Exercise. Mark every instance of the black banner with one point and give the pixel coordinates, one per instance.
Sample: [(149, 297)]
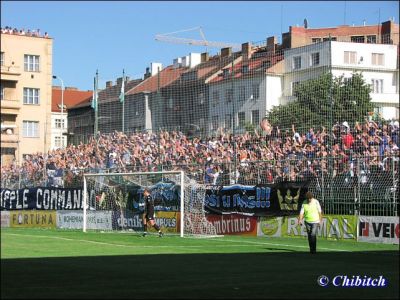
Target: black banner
[(284, 198), (41, 198)]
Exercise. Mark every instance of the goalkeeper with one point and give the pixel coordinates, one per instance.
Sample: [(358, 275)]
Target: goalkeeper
[(148, 215)]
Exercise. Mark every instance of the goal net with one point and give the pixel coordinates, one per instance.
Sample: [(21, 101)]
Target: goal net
[(116, 199)]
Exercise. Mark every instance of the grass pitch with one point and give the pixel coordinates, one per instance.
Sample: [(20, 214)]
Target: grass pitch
[(44, 263)]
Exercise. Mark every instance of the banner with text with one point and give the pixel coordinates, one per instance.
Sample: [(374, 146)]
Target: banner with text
[(67, 219), (234, 224), (168, 221), (378, 229), (42, 198), (332, 227), (283, 198), (33, 218)]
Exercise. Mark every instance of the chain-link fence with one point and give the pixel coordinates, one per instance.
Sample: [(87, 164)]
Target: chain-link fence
[(344, 186), (323, 108)]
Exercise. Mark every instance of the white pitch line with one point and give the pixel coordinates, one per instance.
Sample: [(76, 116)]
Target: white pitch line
[(283, 245), (182, 246), (119, 245)]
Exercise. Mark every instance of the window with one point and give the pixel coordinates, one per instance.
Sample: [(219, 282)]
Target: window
[(378, 59), (325, 39), (214, 123), (377, 86), (316, 40), (228, 121), (357, 39), (170, 103), (255, 117), (350, 57), (294, 86), (59, 123), (256, 91), (314, 59), (31, 63), (201, 122), (296, 62), (228, 95), (266, 64), (245, 69), (30, 129), (2, 93), (371, 39), (2, 58), (395, 82), (241, 118), (57, 141), (226, 73), (31, 96), (216, 97), (201, 98), (242, 93)]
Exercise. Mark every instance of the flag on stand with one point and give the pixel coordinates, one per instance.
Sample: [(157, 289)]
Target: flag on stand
[(122, 94), (95, 95)]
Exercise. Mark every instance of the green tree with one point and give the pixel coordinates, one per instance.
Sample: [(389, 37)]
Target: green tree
[(313, 107)]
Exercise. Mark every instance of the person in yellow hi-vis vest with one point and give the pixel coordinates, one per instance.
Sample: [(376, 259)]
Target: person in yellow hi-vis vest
[(311, 212)]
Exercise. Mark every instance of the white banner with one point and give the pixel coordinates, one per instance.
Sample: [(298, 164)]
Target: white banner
[(5, 219), (74, 219), (269, 226), (378, 229)]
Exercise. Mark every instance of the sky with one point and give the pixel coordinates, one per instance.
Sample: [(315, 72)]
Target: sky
[(110, 36)]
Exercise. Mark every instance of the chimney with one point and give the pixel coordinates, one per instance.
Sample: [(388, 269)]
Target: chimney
[(226, 52), (108, 84), (155, 68), (126, 78), (246, 51), (271, 43), (204, 57), (70, 88), (119, 80), (147, 74)]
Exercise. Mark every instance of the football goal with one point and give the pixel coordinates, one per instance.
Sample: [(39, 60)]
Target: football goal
[(114, 201)]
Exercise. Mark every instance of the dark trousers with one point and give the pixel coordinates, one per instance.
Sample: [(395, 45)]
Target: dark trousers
[(312, 236)]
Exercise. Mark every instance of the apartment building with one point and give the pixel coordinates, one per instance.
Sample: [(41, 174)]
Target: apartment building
[(385, 33), (68, 98), (242, 92), (26, 80), (378, 63)]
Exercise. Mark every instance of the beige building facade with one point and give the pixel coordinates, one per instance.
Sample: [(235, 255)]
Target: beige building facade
[(26, 93)]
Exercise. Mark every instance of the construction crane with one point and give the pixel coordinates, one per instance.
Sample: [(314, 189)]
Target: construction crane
[(167, 37)]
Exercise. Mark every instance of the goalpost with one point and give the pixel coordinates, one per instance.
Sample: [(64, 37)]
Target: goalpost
[(118, 198)]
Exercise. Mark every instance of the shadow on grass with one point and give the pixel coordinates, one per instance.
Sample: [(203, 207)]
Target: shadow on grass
[(198, 276)]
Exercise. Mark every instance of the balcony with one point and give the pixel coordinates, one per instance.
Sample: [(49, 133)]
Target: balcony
[(9, 135), (10, 106), (10, 73)]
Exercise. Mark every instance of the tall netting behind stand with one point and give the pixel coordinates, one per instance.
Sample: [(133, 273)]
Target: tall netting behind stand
[(114, 201)]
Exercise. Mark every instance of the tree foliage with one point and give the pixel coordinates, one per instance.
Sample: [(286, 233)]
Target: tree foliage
[(313, 106)]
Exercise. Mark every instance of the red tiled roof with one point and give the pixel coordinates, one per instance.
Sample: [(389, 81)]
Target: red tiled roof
[(71, 98), (254, 64), (164, 78)]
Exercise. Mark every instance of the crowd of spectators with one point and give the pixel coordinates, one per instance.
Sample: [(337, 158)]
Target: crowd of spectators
[(16, 31), (262, 157)]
